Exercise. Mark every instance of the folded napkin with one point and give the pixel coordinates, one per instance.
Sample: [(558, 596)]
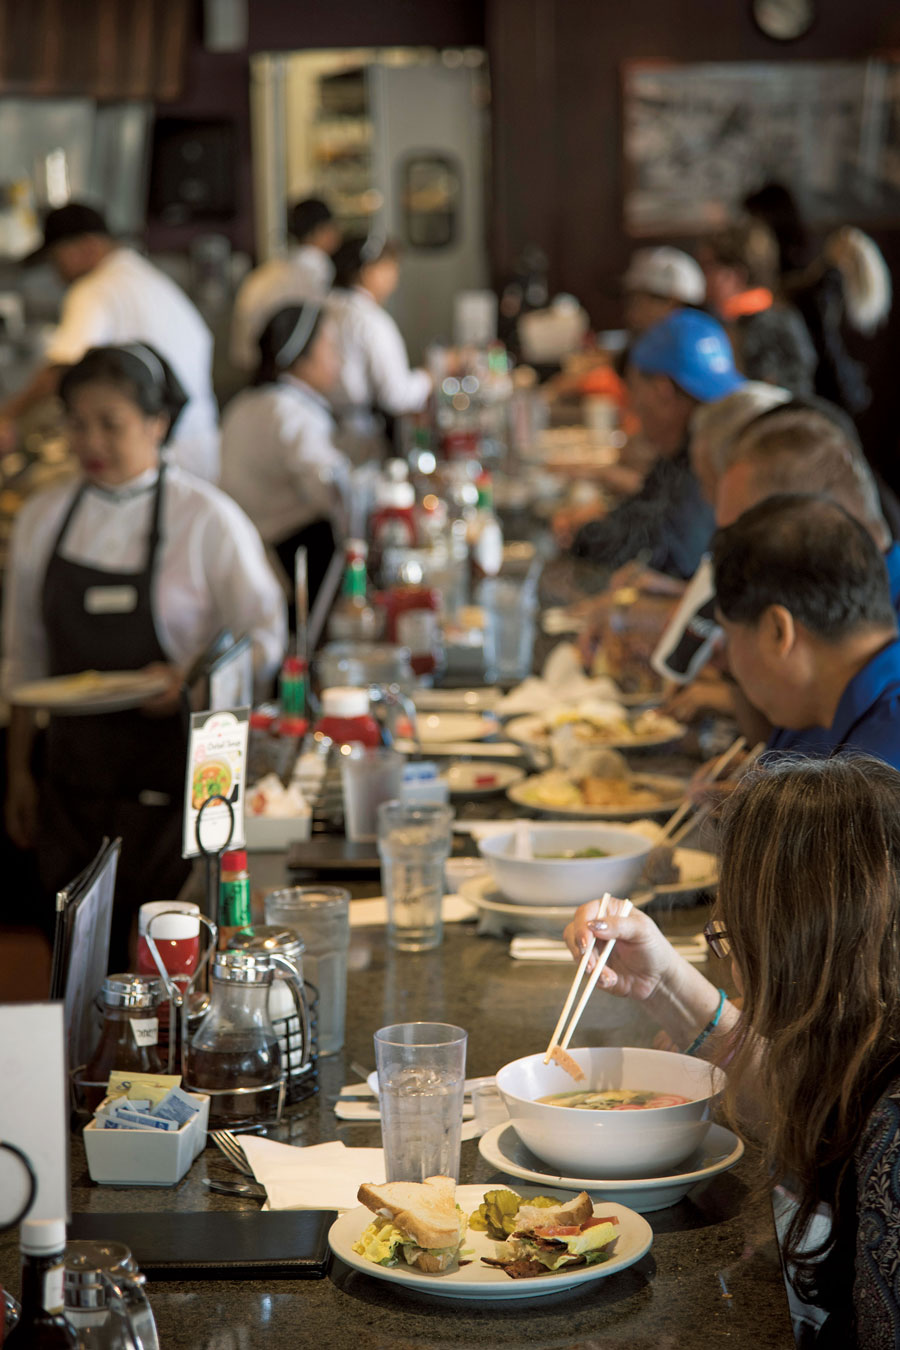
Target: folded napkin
[(322, 1176), (367, 913), (562, 681), (366, 1110), (537, 948)]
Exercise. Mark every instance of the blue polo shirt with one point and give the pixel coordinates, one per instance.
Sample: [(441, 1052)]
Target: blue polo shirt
[(867, 717), (892, 563)]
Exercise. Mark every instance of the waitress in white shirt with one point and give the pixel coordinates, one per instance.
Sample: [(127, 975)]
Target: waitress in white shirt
[(134, 565), (279, 460), (375, 374)]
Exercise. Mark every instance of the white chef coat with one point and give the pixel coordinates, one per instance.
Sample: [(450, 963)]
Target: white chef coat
[(375, 370), (279, 460), (211, 572), (126, 299), (305, 274)]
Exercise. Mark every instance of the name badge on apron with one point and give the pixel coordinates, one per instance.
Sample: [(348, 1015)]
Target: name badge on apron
[(110, 599)]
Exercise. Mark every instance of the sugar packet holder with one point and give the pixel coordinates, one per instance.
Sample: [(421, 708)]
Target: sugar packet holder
[(129, 1153)]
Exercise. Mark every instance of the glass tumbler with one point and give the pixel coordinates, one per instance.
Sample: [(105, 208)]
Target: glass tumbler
[(321, 916)]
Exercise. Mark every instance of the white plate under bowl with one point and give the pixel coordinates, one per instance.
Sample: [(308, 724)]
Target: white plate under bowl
[(94, 691), (633, 1240), (532, 731), (482, 892), (502, 1148), (674, 787), (435, 728), (473, 779)]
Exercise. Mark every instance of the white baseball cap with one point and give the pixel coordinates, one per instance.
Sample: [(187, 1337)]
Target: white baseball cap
[(668, 273)]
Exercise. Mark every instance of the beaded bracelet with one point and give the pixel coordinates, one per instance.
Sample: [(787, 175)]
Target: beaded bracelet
[(710, 1026)]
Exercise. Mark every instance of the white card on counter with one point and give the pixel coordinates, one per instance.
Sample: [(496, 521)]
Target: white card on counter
[(33, 1108), (216, 767)]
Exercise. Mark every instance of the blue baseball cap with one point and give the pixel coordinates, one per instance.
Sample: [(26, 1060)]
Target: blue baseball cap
[(693, 349)]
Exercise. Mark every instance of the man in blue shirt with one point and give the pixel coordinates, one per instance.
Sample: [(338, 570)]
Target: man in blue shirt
[(804, 600)]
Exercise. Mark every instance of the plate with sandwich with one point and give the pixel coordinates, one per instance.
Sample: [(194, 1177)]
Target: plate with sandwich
[(437, 1238)]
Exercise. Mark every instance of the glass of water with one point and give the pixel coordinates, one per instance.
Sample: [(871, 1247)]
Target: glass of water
[(421, 1085), (509, 629), (321, 915), (414, 843)]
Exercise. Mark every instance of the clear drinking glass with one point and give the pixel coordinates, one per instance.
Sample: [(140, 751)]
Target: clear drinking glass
[(509, 619), (414, 843), (421, 1085), (368, 778), (321, 916)]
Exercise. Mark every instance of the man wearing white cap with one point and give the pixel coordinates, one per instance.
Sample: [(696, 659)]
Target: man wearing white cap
[(659, 280)]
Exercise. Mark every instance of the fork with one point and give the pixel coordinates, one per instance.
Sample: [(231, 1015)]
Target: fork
[(226, 1142)]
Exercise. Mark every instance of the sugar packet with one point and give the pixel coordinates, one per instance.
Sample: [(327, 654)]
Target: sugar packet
[(177, 1105)]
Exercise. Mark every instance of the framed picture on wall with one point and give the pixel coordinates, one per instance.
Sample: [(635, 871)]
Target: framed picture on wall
[(698, 137)]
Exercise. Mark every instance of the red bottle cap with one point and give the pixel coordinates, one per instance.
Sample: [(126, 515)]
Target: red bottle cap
[(293, 665), (235, 860), (293, 726)]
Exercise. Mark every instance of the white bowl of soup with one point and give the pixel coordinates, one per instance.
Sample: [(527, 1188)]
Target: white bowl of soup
[(649, 1110), (568, 864)]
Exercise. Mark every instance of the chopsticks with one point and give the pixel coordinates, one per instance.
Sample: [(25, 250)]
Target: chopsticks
[(695, 821), (715, 771), (559, 1041)]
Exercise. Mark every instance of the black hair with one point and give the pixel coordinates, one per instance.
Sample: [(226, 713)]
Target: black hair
[(355, 254), (774, 346), (289, 334), (804, 552), (306, 216), (138, 371), (776, 205)]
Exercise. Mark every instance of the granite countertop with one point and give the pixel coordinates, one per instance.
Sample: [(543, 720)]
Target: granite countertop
[(712, 1276)]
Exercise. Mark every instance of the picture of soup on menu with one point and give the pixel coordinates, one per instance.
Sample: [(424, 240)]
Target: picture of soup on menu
[(217, 757)]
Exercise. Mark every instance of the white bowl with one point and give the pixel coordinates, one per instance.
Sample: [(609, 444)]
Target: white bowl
[(565, 881), (611, 1144)]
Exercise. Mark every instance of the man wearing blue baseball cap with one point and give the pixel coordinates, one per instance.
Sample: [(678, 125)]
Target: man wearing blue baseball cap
[(683, 361)]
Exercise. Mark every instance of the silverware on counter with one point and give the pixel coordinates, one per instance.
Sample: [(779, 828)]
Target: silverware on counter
[(248, 1188), (225, 1140)]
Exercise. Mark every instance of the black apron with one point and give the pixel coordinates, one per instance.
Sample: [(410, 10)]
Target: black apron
[(117, 773)]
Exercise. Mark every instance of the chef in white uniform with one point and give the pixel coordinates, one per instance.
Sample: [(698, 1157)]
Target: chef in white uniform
[(279, 459), (134, 565), (306, 273), (375, 374), (116, 296)]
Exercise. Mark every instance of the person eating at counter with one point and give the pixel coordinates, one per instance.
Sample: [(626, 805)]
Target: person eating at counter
[(680, 363), (116, 296), (279, 460), (803, 598), (135, 565), (808, 909), (375, 374)]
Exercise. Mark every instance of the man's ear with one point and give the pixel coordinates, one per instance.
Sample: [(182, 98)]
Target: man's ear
[(778, 631)]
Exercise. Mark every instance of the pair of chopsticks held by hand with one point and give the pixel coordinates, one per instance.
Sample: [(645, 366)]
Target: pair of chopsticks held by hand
[(557, 1048), (677, 827)]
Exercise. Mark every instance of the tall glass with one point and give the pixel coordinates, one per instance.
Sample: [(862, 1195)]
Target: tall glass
[(369, 777), (509, 626), (421, 1085), (414, 843), (321, 916)]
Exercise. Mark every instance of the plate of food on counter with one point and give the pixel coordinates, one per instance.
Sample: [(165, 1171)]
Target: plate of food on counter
[(595, 723), (603, 789), (440, 1239), (481, 778)]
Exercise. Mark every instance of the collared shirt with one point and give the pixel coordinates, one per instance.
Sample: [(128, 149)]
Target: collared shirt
[(126, 299), (305, 274), (867, 716), (279, 460), (375, 369), (892, 563), (211, 572), (669, 519)]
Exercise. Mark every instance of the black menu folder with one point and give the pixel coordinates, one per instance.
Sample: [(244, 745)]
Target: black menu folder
[(290, 1244)]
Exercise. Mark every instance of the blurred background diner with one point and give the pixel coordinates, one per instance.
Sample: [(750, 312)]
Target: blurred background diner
[(369, 446)]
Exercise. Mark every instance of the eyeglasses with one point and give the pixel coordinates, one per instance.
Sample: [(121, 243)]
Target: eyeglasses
[(717, 940)]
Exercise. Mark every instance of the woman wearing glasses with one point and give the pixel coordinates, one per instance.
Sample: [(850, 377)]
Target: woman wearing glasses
[(809, 913)]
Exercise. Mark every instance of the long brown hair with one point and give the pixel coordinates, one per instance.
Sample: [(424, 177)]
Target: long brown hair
[(810, 898)]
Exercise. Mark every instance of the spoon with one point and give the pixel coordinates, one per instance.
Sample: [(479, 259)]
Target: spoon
[(250, 1188)]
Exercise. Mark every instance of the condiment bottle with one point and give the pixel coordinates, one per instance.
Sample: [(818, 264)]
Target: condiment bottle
[(130, 1035), (234, 1054), (346, 718), (234, 894), (353, 619), (105, 1301), (42, 1326), (292, 687), (413, 620), (174, 927), (287, 1010)]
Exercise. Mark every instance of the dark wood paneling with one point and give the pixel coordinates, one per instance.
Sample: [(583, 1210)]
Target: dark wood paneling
[(293, 25)]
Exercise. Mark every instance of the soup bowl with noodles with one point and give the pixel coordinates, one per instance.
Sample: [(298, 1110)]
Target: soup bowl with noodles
[(617, 1137)]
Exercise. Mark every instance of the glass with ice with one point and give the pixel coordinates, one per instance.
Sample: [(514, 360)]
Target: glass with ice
[(321, 917), (421, 1084), (413, 842)]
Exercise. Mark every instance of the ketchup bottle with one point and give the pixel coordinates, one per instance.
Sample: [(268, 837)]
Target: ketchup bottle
[(346, 718)]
